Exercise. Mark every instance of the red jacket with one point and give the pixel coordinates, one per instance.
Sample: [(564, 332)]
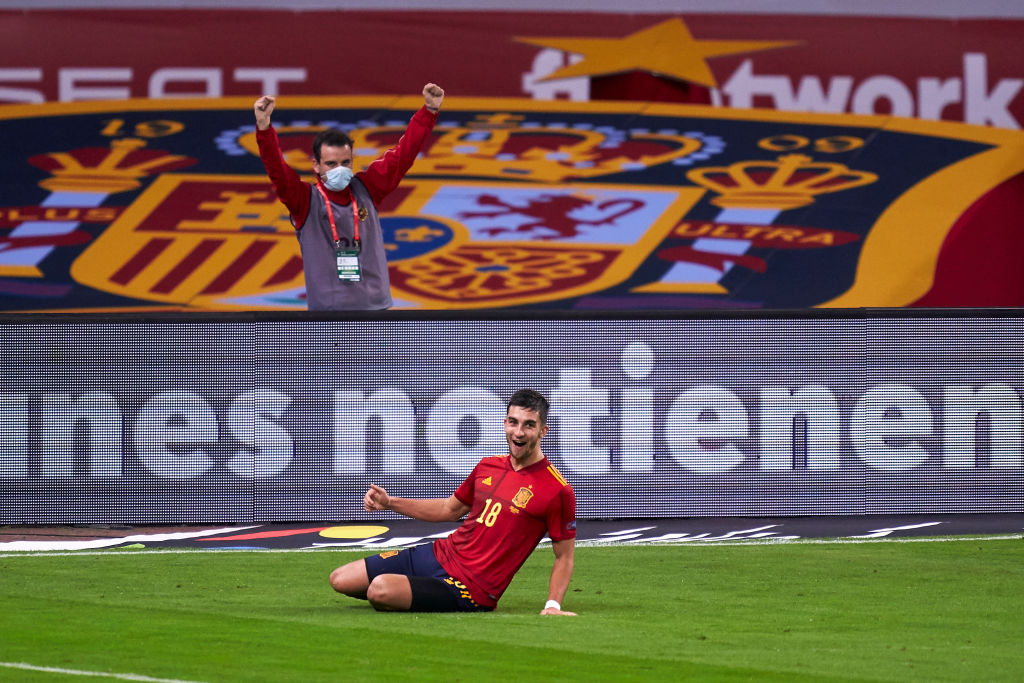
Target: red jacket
[(380, 178)]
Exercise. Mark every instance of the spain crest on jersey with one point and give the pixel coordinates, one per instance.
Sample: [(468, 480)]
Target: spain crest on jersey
[(522, 497)]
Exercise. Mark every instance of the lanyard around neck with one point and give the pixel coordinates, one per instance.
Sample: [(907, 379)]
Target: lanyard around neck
[(330, 214)]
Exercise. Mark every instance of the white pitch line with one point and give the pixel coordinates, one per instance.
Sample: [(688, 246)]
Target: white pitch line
[(109, 542), (805, 541), (587, 543), (101, 674), (116, 552)]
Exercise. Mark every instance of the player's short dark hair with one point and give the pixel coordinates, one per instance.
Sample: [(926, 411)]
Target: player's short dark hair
[(531, 400), (332, 137)]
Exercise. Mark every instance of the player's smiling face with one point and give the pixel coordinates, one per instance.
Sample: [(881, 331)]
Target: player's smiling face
[(523, 431)]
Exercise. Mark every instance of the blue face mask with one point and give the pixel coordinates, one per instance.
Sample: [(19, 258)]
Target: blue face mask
[(338, 178)]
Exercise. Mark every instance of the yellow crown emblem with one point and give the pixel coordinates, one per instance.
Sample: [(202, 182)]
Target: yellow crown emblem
[(116, 171), (791, 182)]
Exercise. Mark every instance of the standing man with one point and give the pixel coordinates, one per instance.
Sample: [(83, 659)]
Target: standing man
[(336, 219), (512, 501)]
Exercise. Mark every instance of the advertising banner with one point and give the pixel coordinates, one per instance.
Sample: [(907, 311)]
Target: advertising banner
[(151, 205), (956, 69), (284, 418)]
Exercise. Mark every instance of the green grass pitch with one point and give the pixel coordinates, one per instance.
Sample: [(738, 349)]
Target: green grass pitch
[(882, 611)]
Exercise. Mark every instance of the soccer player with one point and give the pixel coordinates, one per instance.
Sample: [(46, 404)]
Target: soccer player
[(512, 501)]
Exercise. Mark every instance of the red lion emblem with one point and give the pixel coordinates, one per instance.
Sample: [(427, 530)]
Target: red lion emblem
[(550, 211)]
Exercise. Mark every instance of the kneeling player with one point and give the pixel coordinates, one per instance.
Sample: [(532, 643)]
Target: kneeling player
[(512, 501)]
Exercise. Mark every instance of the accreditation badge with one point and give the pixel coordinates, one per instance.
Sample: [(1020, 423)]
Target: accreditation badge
[(348, 265)]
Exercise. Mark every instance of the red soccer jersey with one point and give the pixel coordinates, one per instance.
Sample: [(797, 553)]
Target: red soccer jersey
[(509, 513)]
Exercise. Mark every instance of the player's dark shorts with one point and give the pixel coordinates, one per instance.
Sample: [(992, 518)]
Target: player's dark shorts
[(433, 590)]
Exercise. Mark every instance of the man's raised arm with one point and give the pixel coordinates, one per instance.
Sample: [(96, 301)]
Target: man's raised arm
[(385, 173), (290, 188)]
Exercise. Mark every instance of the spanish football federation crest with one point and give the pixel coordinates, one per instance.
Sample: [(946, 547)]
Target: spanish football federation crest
[(522, 497), (165, 206)]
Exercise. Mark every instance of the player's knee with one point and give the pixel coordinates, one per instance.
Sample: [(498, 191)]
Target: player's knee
[(378, 591), (349, 580), (385, 593), (338, 580)]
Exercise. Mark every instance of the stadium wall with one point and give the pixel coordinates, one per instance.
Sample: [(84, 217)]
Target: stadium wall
[(277, 417)]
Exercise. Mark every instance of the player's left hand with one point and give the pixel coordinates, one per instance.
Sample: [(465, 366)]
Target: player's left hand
[(376, 499), (433, 95), (552, 610)]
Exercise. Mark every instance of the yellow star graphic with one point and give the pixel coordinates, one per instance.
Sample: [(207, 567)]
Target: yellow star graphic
[(665, 49)]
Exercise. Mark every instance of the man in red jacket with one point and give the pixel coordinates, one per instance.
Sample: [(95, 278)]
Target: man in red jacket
[(336, 219), (512, 501)]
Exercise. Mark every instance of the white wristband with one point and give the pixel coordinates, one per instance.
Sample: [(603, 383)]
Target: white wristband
[(553, 603)]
